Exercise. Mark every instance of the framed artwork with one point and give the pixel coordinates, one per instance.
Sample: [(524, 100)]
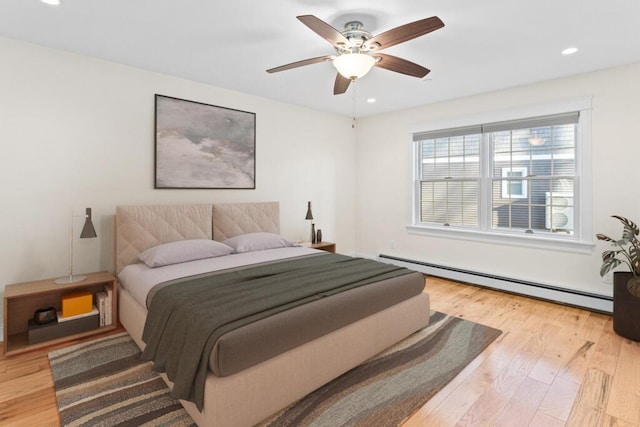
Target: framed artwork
[(203, 146)]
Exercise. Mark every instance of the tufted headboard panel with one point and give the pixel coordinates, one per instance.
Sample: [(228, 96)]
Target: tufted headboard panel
[(140, 227), (231, 219)]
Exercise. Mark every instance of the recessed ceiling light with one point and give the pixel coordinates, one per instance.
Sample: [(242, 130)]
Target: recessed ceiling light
[(570, 51), (51, 2), (371, 100)]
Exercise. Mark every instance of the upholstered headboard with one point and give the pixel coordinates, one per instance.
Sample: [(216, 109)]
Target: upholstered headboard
[(141, 227), (231, 219)]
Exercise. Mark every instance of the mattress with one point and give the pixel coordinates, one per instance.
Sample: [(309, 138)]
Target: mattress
[(251, 344)]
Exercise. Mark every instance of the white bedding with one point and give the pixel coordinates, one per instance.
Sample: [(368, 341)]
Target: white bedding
[(139, 279)]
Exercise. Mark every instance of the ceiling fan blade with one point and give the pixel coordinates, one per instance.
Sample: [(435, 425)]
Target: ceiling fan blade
[(324, 30), (341, 85), (399, 65), (404, 32), (301, 63)]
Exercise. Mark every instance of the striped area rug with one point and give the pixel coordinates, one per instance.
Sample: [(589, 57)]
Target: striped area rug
[(392, 386), (104, 382)]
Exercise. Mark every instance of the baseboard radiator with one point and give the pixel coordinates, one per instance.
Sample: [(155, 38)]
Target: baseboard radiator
[(572, 297)]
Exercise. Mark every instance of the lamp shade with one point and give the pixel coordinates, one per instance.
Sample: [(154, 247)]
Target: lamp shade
[(88, 231), (354, 65), (309, 214)]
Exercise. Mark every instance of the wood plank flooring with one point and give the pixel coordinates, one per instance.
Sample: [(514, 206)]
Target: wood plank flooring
[(553, 366)]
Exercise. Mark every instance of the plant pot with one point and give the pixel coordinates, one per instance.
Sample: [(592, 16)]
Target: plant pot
[(626, 307)]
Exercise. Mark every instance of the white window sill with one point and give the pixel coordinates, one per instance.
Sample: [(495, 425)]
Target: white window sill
[(540, 241)]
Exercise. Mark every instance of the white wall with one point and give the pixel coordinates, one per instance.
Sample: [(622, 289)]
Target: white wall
[(384, 180), (77, 132)]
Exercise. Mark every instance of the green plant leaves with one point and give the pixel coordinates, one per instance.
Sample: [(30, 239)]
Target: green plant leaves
[(630, 228), (605, 238), (634, 254), (609, 265), (628, 251)]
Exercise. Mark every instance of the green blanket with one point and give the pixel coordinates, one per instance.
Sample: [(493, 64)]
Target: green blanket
[(186, 319)]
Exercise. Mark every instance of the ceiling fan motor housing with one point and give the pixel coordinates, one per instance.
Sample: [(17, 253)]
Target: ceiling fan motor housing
[(356, 34)]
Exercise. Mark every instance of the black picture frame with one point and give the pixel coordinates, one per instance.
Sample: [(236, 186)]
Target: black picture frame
[(203, 146)]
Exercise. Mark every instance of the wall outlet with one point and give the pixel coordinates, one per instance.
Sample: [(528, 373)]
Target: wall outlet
[(607, 279), (392, 244)]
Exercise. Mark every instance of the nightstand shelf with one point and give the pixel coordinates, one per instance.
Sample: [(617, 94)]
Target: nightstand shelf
[(21, 300), (324, 246)]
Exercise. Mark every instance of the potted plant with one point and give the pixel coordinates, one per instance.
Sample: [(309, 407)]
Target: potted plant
[(626, 284)]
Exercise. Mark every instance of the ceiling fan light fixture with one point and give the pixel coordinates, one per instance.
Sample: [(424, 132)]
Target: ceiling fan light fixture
[(354, 65)]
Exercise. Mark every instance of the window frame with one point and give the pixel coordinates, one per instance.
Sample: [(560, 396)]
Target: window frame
[(506, 184), (581, 242)]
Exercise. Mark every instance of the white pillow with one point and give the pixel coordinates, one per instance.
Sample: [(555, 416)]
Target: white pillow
[(183, 251), (257, 242)]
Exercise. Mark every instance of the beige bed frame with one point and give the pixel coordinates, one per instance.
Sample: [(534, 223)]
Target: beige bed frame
[(249, 396)]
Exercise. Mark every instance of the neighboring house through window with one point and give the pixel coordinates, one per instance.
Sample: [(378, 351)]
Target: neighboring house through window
[(525, 179)]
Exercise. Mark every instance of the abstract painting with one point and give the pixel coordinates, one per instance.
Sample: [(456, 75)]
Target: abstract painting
[(203, 146)]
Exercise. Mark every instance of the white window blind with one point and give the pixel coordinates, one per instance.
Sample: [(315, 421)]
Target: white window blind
[(450, 180), (514, 176)]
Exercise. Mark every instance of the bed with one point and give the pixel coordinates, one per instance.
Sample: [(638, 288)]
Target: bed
[(246, 392)]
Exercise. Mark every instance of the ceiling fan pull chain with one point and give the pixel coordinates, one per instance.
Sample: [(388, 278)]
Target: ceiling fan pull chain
[(353, 123)]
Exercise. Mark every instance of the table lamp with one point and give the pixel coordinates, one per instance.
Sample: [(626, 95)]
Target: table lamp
[(88, 231), (310, 218)]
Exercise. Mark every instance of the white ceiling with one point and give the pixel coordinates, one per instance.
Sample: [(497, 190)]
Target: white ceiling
[(485, 45)]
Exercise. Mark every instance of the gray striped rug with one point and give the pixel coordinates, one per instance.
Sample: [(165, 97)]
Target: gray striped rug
[(104, 383), (392, 386)]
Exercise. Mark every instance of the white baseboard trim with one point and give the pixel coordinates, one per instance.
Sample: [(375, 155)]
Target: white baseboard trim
[(594, 302)]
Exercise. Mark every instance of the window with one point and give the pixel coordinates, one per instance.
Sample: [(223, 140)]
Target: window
[(450, 183), (514, 188), (516, 178)]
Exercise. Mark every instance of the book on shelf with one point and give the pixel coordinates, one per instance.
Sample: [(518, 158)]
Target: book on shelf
[(109, 305), (104, 301), (77, 316), (101, 302)]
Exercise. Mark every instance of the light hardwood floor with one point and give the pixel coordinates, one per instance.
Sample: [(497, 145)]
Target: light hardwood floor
[(552, 366)]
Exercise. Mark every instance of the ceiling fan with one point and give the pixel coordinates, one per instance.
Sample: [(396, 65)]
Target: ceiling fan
[(358, 50)]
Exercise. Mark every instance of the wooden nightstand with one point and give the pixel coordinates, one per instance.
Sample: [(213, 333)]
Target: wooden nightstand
[(324, 246), (21, 300)]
